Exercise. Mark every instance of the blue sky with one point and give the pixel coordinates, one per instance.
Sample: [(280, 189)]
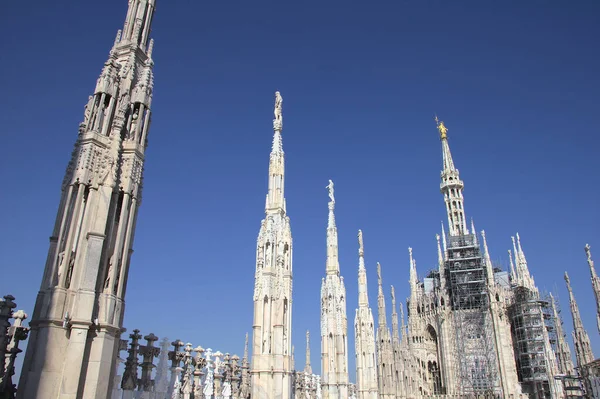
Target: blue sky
[(515, 82)]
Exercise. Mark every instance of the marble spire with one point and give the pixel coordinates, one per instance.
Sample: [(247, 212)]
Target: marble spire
[(595, 282), (395, 327), (488, 262), (524, 277), (275, 196), (581, 340), (333, 266), (564, 359), (366, 368), (334, 321), (307, 367), (78, 317), (441, 268), (385, 351), (414, 281), (272, 359), (452, 187)]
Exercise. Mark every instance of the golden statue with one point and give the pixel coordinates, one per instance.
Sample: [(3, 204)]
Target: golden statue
[(442, 128)]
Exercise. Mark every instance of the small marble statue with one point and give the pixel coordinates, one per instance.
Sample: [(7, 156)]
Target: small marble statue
[(278, 104), (330, 187)]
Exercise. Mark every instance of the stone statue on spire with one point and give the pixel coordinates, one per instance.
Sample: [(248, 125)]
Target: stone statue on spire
[(360, 242), (441, 128), (330, 188), (278, 121)]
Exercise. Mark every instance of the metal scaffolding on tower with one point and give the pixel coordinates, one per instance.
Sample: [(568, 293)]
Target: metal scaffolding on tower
[(466, 275)]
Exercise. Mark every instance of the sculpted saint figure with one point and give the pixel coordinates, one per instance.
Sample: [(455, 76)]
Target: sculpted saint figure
[(330, 187), (278, 104), (88, 109)]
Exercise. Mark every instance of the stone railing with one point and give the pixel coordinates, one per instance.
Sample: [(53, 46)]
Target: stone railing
[(10, 336), (193, 372)]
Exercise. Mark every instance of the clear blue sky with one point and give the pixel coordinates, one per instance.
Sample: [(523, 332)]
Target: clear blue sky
[(516, 83)]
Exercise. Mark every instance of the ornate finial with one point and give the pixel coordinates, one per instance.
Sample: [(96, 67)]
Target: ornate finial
[(118, 38), (361, 248), (379, 274), (393, 298), (588, 253), (568, 280), (441, 128), (150, 48), (278, 121), (330, 188)]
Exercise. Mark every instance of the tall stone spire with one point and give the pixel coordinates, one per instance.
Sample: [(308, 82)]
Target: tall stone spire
[(403, 334), (333, 266), (308, 368), (513, 274), (366, 369), (363, 296), (380, 299), (452, 187), (524, 277), (414, 281), (386, 369), (334, 321), (581, 340), (488, 261), (441, 268), (272, 361), (595, 283), (78, 317), (564, 359), (275, 196), (395, 327)]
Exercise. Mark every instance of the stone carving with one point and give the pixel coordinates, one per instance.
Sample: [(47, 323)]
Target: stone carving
[(87, 110), (278, 106), (330, 188)]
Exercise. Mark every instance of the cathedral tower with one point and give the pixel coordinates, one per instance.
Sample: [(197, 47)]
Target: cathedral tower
[(334, 322), (78, 316), (272, 364), (467, 277), (364, 338)]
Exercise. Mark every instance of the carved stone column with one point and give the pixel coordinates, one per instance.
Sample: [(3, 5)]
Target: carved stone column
[(188, 370), (148, 352), (235, 377), (6, 310), (199, 364), (130, 379), (16, 333), (175, 357)]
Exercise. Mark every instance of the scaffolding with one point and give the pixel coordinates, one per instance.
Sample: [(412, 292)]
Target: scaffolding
[(466, 277), (533, 331)]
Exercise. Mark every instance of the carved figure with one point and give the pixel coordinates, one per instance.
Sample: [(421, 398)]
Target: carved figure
[(88, 109), (134, 122), (330, 187), (108, 274), (441, 128), (61, 264), (123, 104), (278, 104), (360, 240)]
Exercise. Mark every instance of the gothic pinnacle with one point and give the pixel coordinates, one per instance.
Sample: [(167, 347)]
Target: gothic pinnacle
[(595, 282), (308, 368), (332, 266), (363, 297), (380, 299)]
